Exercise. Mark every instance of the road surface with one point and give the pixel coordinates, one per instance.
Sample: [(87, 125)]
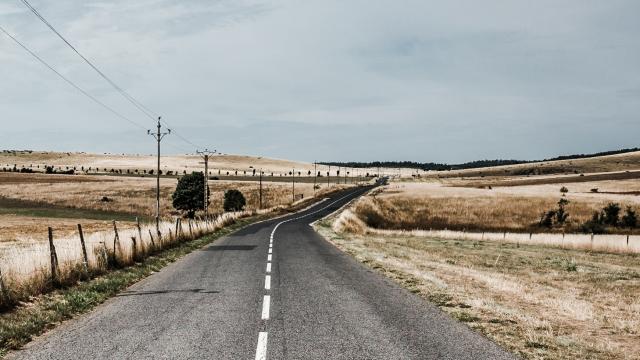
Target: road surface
[(273, 290)]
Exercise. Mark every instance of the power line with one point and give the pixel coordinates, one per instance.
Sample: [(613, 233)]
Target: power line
[(152, 115), (84, 92), (145, 110)]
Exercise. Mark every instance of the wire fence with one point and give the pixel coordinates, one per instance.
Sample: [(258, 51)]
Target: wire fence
[(613, 243)]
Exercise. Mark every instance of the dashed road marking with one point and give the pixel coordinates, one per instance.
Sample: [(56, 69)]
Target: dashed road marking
[(261, 349), (266, 303)]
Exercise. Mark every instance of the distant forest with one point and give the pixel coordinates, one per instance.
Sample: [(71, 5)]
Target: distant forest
[(469, 165)]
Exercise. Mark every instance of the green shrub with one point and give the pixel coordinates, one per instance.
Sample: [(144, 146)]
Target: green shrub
[(234, 200)]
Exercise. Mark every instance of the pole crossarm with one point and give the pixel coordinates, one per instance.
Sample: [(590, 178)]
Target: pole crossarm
[(205, 156)]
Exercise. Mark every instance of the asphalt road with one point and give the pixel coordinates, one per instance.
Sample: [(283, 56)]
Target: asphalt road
[(241, 298)]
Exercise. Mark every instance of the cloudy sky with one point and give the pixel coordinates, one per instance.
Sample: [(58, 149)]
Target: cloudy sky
[(446, 81)]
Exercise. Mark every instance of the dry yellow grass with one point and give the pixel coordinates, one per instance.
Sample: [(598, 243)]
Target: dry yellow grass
[(133, 195), (539, 302), (448, 205), (218, 164), (600, 164), (26, 229)]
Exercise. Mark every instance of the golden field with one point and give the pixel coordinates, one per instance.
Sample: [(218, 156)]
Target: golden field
[(539, 302), (52, 195), (464, 205), (219, 165), (600, 164)]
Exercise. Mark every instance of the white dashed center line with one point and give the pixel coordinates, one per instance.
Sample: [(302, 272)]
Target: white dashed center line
[(261, 350), (266, 303)]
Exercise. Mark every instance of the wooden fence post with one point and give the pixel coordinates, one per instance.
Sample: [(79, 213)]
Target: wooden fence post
[(54, 257), (151, 237), (116, 239), (177, 225), (85, 258), (135, 248), (592, 235), (142, 247), (627, 240), (190, 230)]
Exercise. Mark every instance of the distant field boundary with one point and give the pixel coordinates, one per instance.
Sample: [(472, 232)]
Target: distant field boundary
[(627, 175), (610, 243)]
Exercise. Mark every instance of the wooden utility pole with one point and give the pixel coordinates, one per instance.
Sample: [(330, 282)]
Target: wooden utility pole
[(158, 136), (329, 177), (205, 155), (315, 177), (293, 182), (260, 189)]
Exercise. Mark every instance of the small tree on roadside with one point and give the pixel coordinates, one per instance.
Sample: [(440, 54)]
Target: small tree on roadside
[(234, 200), (188, 196)]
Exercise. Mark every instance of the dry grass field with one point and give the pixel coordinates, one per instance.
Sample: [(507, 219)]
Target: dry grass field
[(219, 165), (461, 204), (29, 203), (601, 164), (538, 302)]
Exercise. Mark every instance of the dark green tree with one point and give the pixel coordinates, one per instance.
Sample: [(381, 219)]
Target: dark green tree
[(189, 194), (611, 214), (234, 200), (630, 218)]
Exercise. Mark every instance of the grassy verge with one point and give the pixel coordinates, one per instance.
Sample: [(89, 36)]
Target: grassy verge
[(538, 302), (41, 313)]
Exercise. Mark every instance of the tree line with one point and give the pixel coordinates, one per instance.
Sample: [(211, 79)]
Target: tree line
[(468, 165)]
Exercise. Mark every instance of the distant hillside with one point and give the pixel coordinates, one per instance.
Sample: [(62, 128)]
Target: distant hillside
[(478, 164)]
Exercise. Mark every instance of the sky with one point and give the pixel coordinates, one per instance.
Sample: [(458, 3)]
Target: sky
[(328, 80)]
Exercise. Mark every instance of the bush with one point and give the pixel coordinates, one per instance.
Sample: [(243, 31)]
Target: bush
[(561, 213), (611, 214), (595, 225), (234, 200), (630, 218), (547, 218), (564, 190), (49, 170), (188, 196)]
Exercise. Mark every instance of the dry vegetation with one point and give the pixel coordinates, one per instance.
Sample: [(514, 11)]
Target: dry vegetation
[(459, 204), (601, 164), (539, 302), (50, 196)]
